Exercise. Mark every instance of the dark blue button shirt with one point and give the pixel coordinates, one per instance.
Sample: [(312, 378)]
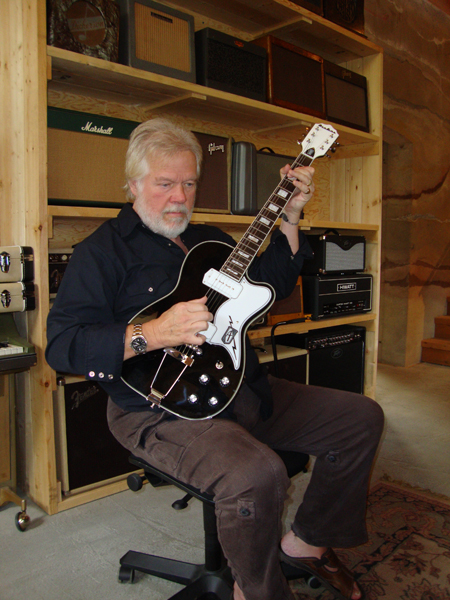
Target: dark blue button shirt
[(119, 270)]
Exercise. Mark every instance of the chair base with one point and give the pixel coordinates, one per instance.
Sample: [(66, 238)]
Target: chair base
[(199, 582)]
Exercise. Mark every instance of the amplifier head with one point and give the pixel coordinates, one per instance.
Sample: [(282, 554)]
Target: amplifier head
[(154, 37)]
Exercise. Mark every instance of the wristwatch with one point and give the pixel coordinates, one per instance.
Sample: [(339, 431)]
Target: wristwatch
[(138, 341)]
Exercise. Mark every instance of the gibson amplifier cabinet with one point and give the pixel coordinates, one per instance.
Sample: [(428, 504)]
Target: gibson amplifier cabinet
[(230, 64), (336, 356), (327, 296), (214, 189), (156, 38), (346, 97), (87, 452), (303, 92), (335, 254)]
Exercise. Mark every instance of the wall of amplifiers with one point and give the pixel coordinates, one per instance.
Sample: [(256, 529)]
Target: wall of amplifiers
[(154, 37)]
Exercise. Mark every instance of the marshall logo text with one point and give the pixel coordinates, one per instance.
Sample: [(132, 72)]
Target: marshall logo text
[(94, 129)]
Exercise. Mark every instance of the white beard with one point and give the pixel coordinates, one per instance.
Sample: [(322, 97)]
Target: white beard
[(158, 224)]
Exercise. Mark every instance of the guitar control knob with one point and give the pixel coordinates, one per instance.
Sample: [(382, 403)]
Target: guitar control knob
[(193, 399), (204, 379), (213, 401), (219, 364), (224, 382)]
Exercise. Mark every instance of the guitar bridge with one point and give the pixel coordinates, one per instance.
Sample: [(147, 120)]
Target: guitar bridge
[(182, 357)]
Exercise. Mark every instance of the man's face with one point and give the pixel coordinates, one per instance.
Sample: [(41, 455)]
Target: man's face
[(165, 197)]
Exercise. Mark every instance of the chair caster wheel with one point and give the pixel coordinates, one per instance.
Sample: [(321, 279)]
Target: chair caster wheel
[(126, 575), (134, 482), (314, 583), (22, 520)]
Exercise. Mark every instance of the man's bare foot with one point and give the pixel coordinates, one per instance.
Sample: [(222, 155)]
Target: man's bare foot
[(238, 595), (297, 548)]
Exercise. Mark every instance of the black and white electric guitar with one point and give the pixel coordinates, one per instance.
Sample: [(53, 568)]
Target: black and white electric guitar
[(198, 382)]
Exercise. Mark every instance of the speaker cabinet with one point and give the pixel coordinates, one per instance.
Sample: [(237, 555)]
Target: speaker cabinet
[(346, 97), (335, 254), (289, 308), (88, 27), (87, 452), (86, 159), (156, 38), (336, 356), (229, 64), (347, 13), (294, 77), (255, 175)]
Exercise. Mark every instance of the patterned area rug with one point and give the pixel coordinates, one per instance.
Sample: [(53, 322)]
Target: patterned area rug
[(407, 556)]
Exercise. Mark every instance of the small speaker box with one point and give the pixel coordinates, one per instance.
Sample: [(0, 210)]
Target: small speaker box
[(347, 13), (229, 64), (289, 308), (156, 38), (294, 77), (90, 28), (335, 254), (346, 97), (213, 191)]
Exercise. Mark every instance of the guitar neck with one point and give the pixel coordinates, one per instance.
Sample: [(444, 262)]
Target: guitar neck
[(253, 239)]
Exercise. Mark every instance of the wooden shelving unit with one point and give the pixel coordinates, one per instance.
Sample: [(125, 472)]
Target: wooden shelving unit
[(34, 76)]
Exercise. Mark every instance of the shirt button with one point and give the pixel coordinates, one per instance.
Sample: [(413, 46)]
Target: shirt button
[(101, 375), (244, 512), (150, 289), (110, 376), (91, 374)]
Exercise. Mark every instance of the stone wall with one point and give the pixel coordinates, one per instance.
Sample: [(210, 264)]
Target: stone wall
[(415, 282)]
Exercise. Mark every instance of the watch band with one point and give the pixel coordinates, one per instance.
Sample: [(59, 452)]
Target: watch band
[(286, 220)]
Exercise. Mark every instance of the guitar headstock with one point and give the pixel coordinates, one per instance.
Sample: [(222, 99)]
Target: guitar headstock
[(319, 140)]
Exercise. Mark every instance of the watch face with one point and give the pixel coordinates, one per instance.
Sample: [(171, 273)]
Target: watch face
[(139, 345)]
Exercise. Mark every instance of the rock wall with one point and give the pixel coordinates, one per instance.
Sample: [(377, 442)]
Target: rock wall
[(415, 281)]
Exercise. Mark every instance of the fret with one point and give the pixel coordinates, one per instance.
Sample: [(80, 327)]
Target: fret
[(252, 240)]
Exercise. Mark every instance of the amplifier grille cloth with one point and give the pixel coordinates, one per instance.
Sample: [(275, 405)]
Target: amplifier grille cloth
[(341, 260), (153, 30)]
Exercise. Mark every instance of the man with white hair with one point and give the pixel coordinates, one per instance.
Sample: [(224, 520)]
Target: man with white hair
[(135, 260)]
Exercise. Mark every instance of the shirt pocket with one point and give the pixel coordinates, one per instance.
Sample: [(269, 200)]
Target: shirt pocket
[(143, 286)]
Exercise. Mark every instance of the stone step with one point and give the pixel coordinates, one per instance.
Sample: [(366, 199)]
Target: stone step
[(442, 327), (436, 351)]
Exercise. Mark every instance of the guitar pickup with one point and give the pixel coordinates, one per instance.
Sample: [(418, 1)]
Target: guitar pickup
[(184, 358), (221, 283)]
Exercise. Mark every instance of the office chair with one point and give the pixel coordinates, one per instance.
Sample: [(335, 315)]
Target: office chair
[(211, 580)]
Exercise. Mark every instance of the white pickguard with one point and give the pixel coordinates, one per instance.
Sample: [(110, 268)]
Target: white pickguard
[(234, 315)]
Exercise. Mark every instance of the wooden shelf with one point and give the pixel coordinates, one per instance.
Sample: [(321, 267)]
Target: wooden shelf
[(72, 73)]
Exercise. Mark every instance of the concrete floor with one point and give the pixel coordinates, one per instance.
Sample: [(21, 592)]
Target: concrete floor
[(75, 555)]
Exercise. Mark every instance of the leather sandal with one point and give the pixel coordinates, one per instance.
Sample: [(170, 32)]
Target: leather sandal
[(329, 570)]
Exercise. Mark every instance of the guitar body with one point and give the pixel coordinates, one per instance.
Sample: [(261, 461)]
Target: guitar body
[(199, 382)]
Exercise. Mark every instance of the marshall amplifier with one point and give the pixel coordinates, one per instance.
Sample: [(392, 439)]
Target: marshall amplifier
[(294, 77), (335, 254), (16, 263), (255, 175), (87, 452), (326, 296), (346, 97), (230, 64), (156, 38)]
